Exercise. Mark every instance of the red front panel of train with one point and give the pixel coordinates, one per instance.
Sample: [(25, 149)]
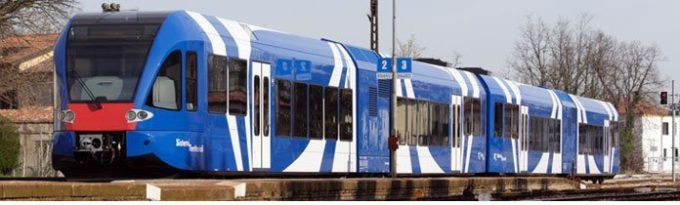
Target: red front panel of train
[(109, 117)]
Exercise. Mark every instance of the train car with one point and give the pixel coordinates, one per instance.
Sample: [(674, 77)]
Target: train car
[(440, 122), (535, 130), (158, 93)]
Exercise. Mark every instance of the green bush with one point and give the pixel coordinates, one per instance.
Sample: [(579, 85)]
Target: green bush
[(9, 146)]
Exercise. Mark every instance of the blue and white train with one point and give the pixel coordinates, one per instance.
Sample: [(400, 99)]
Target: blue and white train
[(165, 92)]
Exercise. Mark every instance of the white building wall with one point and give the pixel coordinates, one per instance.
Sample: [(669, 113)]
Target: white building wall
[(654, 142)]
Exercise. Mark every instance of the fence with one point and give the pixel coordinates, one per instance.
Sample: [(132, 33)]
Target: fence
[(35, 151)]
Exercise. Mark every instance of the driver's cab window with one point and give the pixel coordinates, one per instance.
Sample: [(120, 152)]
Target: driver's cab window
[(166, 92)]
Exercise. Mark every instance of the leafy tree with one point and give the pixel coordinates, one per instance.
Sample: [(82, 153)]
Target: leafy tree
[(9, 146)]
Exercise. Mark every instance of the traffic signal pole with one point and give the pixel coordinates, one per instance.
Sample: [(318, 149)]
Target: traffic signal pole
[(674, 107)]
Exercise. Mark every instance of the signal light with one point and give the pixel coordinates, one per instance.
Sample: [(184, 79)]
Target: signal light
[(664, 98)]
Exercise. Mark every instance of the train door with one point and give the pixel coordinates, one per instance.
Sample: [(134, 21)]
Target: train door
[(261, 116), (605, 146), (456, 142), (524, 140)]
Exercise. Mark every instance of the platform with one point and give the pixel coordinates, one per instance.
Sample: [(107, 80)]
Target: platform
[(282, 189)]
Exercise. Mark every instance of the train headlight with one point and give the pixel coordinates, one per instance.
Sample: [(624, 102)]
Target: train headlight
[(131, 116), (142, 115), (67, 116), (137, 115)]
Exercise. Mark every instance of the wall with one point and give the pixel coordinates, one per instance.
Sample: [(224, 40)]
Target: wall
[(654, 142)]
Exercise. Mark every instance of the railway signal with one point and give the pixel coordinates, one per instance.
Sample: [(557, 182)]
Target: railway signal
[(664, 98)]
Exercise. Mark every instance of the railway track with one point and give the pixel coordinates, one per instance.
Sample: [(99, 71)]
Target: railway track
[(610, 194), (45, 179)]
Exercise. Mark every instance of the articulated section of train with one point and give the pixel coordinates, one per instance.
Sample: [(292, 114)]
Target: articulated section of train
[(152, 92)]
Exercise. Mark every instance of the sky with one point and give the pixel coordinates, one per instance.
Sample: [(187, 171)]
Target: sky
[(482, 31)]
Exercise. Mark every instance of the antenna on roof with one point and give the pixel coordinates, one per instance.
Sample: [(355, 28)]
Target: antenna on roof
[(113, 7)]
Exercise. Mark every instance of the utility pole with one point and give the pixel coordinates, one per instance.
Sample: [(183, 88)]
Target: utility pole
[(393, 130), (674, 107), (373, 17)]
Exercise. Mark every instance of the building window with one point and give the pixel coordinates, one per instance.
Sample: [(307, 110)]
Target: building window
[(217, 85), (8, 100), (166, 92), (664, 128), (238, 78)]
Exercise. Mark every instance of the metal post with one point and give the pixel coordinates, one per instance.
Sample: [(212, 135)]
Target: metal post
[(393, 153), (673, 106)]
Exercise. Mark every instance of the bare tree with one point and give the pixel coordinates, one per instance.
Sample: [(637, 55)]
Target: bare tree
[(578, 59), (410, 48), (32, 16)]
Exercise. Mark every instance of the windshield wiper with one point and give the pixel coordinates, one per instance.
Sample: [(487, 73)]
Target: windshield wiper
[(95, 100)]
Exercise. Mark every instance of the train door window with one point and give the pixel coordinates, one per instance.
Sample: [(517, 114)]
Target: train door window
[(400, 120), (217, 85), (265, 106), (456, 126), (498, 119), (316, 112), (413, 122), (283, 107), (664, 128), (346, 115), (664, 154), (256, 105), (300, 110), (191, 81), (331, 113), (238, 79), (582, 139), (166, 92)]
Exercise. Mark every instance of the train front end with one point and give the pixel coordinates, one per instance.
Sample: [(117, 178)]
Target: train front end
[(100, 60)]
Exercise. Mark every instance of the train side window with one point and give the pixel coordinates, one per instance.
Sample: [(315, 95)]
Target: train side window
[(512, 118), (316, 112), (445, 123), (166, 92), (424, 123), (331, 113), (467, 116), (434, 124), (191, 81), (238, 79), (498, 119), (283, 107), (401, 120), (346, 115), (477, 118), (413, 122), (217, 84), (300, 110)]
